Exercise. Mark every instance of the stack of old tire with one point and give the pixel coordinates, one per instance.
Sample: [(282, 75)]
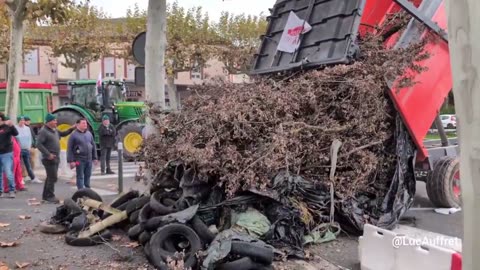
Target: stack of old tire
[(71, 219), (158, 224), (163, 239)]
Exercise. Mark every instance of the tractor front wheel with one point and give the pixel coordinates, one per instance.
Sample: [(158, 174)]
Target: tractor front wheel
[(443, 183), (65, 120), (130, 135)]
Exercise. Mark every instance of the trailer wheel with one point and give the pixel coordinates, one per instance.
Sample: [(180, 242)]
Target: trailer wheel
[(66, 119), (443, 183), (130, 135)]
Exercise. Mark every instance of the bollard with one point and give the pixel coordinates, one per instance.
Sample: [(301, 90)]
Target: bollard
[(120, 167)]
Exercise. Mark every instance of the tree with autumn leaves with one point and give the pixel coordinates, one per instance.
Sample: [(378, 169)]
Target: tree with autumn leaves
[(193, 39), (82, 34), (82, 39), (19, 14)]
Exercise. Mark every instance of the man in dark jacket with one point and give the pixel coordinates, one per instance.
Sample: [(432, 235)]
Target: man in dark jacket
[(48, 143), (107, 142), (81, 152), (7, 130)]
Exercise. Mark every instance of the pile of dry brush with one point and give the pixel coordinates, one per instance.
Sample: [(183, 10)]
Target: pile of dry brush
[(241, 135)]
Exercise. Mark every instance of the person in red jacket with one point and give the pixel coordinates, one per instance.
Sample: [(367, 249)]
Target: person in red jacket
[(17, 169)]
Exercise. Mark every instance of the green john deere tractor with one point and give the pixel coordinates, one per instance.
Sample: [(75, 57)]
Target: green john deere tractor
[(91, 102)]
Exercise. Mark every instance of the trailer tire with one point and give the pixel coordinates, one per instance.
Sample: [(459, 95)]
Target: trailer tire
[(443, 183), (130, 134)]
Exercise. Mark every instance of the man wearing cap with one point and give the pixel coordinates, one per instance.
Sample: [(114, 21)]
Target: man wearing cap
[(48, 142), (25, 139), (7, 131), (107, 142)]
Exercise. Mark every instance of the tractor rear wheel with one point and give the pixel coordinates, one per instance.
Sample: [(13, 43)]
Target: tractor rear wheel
[(65, 120), (130, 135), (443, 183)]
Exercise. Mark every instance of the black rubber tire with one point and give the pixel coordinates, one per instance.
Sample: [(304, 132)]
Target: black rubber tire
[(145, 214), (157, 205), (137, 204), (144, 237), (135, 231), (122, 133), (440, 183), (46, 227), (256, 252), (132, 194), (148, 253), (71, 238), (153, 223), (160, 254), (202, 230), (86, 192), (134, 217), (72, 205), (169, 202), (244, 263), (79, 223)]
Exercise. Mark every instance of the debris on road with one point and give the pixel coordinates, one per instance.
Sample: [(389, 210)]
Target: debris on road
[(251, 173), (22, 265), (8, 244)]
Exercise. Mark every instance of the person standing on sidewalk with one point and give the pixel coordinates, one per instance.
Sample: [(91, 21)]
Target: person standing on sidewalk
[(33, 153), (107, 142), (25, 139), (81, 153), (17, 169), (48, 142), (7, 131)]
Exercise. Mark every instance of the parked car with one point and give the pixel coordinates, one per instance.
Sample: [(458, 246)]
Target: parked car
[(449, 121)]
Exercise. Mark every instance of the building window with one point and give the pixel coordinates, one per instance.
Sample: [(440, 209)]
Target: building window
[(31, 63), (196, 72), (130, 71), (109, 67)]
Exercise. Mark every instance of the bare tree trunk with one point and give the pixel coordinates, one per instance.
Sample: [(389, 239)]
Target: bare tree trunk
[(172, 93), (464, 38), (77, 73), (156, 43), (17, 14)]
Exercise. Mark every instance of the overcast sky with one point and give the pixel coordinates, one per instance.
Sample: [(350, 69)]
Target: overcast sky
[(117, 8)]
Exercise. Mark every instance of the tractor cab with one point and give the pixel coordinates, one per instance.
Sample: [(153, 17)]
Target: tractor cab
[(98, 100)]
